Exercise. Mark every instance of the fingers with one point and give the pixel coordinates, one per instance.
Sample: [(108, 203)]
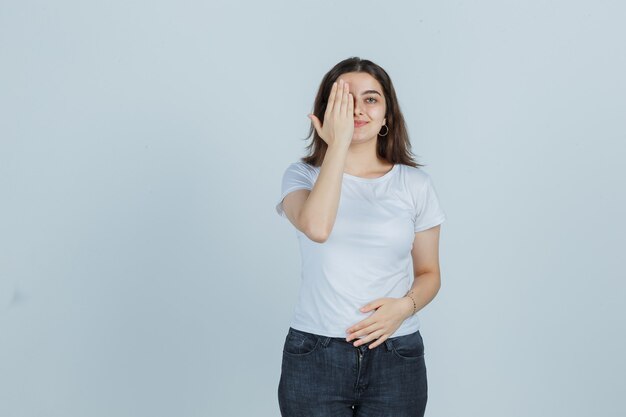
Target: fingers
[(338, 117), (361, 325), (375, 334), (316, 123), (381, 339), (338, 97), (331, 99), (350, 106), (344, 100), (363, 330)]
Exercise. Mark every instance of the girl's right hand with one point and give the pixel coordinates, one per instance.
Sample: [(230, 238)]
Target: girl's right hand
[(338, 125)]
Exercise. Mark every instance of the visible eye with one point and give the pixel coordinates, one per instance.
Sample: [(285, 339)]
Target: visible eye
[(371, 100)]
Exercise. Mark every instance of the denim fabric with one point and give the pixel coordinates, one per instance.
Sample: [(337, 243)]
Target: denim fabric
[(328, 377)]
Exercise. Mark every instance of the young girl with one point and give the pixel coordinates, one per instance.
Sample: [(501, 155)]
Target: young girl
[(363, 211)]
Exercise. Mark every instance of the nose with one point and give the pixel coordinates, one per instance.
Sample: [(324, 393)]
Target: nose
[(357, 107)]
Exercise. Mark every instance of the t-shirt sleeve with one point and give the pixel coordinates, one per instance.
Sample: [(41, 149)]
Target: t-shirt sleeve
[(429, 212), (297, 176)]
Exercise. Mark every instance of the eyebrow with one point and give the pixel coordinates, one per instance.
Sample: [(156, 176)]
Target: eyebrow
[(371, 92)]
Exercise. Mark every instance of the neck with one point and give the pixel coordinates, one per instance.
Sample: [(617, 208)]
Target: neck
[(362, 158)]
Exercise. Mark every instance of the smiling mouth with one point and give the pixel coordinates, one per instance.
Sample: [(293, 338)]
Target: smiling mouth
[(359, 124)]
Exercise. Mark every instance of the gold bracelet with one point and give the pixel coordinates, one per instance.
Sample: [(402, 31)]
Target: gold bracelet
[(414, 305)]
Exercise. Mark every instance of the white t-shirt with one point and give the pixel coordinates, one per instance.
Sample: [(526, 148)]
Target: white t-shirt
[(368, 253)]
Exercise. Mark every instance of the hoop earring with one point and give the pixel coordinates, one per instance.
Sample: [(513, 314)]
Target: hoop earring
[(386, 132)]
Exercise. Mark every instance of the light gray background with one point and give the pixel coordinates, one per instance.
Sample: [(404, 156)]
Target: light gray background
[(144, 271)]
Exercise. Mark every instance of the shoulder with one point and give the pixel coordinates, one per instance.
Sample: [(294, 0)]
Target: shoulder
[(302, 166), (299, 168), (416, 178), (299, 175)]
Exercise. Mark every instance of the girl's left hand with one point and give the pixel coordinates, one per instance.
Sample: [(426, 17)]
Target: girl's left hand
[(389, 315)]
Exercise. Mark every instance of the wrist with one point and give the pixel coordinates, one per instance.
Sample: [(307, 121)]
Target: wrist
[(338, 145), (409, 305)]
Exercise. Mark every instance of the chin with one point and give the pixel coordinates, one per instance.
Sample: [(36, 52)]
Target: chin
[(361, 138)]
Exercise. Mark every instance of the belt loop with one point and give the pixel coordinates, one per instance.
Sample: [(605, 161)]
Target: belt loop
[(325, 341), (389, 344)]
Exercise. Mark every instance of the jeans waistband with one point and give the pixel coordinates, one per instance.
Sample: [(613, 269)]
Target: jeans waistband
[(325, 340)]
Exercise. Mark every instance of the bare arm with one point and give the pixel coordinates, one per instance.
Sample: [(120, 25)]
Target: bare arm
[(427, 277), (390, 311), (314, 212)]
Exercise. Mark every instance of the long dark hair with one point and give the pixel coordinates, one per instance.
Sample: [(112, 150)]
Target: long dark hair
[(394, 147)]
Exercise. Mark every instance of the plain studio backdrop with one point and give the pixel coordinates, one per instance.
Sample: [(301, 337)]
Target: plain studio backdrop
[(145, 272)]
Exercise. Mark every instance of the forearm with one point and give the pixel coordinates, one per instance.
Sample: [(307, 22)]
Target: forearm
[(424, 289), (320, 209)]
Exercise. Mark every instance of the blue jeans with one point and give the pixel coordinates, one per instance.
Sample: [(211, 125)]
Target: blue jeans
[(328, 377)]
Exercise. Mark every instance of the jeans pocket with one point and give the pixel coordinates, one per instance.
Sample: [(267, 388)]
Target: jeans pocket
[(410, 346), (299, 343)]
